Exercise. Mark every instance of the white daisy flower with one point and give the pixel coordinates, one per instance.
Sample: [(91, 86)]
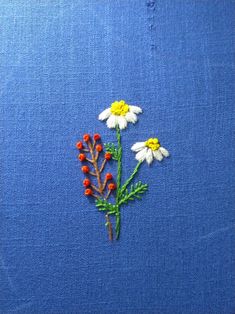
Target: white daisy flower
[(149, 150), (119, 114)]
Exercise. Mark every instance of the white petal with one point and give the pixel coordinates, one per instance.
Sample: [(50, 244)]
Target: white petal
[(138, 146), (111, 122), (164, 151), (105, 114), (131, 117), (135, 109), (141, 155), (149, 156), (122, 122), (158, 155)]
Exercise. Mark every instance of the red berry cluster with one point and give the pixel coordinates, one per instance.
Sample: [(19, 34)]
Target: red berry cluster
[(90, 152)]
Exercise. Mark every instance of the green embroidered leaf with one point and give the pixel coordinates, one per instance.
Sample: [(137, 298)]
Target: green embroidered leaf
[(136, 191), (111, 148), (103, 205)]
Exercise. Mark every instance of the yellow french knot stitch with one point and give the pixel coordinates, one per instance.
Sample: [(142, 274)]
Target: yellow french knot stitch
[(119, 108), (152, 143)]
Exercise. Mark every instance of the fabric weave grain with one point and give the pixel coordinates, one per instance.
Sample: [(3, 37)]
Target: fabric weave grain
[(64, 62)]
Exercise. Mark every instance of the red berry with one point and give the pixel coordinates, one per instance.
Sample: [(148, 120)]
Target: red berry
[(109, 176), (97, 137), (86, 182), (88, 192), (86, 137), (82, 157), (79, 145), (108, 156), (112, 186), (99, 148), (85, 169)]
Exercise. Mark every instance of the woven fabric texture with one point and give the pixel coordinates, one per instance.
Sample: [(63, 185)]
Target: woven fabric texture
[(62, 63)]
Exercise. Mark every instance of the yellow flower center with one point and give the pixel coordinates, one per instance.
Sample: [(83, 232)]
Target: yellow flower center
[(152, 143), (119, 108)]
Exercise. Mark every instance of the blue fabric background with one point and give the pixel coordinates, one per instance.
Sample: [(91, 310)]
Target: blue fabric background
[(62, 63)]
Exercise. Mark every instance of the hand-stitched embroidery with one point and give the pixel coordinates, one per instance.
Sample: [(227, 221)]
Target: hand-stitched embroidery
[(117, 116), (149, 150)]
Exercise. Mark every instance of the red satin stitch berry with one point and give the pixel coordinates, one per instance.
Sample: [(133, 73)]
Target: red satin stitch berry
[(79, 145), (85, 169), (108, 156), (86, 137), (109, 176), (86, 182), (112, 186), (97, 137), (99, 148), (88, 192), (82, 157)]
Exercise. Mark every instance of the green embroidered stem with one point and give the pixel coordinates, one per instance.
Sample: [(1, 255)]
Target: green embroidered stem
[(119, 175), (118, 224), (122, 194), (130, 178), (119, 166)]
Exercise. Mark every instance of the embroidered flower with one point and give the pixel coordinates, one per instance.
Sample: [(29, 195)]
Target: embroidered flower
[(108, 156), (97, 137), (119, 114), (149, 150), (85, 169), (99, 148), (82, 157), (112, 186), (111, 194), (109, 176), (88, 192), (92, 154), (79, 145), (86, 137), (86, 182)]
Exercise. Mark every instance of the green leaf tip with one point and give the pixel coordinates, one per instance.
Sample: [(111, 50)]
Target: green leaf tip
[(111, 148), (135, 192), (103, 205)]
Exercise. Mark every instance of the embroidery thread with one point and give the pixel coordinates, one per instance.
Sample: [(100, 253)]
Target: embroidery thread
[(118, 116)]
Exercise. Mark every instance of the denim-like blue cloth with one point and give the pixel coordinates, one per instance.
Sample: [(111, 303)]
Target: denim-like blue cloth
[(62, 63)]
